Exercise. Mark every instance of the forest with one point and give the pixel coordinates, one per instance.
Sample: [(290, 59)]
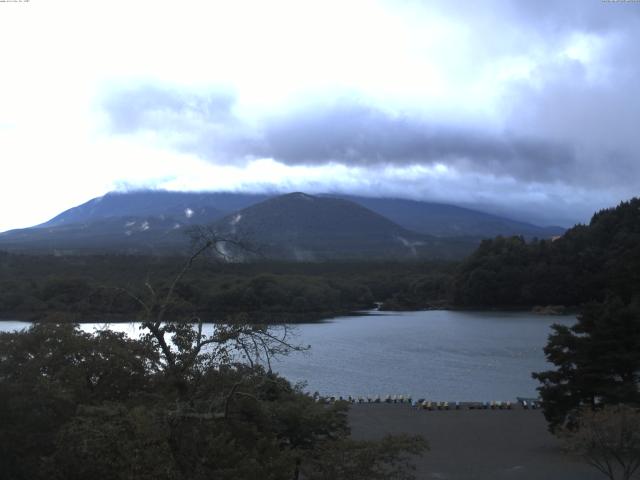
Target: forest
[(75, 406), (81, 288), (587, 263)]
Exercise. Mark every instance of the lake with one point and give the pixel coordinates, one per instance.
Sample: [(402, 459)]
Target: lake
[(438, 354)]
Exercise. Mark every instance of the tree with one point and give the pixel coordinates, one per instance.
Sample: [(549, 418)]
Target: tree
[(597, 360), (608, 439), (46, 372), (184, 351), (177, 404), (584, 264)]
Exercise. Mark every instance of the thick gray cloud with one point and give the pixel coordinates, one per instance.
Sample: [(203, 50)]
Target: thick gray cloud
[(357, 135), (570, 122), (584, 15), (349, 133)]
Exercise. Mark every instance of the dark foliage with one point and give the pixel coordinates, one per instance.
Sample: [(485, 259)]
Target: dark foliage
[(176, 404), (597, 360), (583, 265), (75, 288), (76, 406)]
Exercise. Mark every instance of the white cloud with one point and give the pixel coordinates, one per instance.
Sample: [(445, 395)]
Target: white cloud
[(483, 64)]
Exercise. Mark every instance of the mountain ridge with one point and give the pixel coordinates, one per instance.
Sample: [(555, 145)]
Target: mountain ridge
[(154, 222), (433, 218), (307, 227)]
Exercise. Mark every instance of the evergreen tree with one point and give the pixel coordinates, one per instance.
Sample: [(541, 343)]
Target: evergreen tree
[(597, 360)]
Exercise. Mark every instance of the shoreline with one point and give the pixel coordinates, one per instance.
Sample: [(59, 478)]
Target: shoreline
[(311, 318), (286, 318)]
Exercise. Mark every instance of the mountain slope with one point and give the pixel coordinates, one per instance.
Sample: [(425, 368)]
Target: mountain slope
[(586, 264), (139, 222), (184, 207), (294, 226), (155, 222), (308, 227), (133, 235), (444, 220), (202, 208)]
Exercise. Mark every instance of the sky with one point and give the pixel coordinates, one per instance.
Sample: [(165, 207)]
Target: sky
[(527, 109)]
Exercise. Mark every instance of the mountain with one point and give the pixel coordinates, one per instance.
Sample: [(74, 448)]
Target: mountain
[(306, 227), (155, 221), (182, 207), (430, 218), (145, 235), (444, 220), (145, 222)]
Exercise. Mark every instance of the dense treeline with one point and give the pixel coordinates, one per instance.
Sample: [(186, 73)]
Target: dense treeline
[(585, 264), (102, 287), (75, 405)]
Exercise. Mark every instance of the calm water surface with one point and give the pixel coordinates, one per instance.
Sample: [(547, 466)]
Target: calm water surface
[(441, 355)]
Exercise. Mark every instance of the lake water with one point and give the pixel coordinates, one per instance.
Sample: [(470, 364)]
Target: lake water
[(441, 355)]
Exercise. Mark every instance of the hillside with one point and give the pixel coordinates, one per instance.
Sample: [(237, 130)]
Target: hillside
[(143, 222), (305, 227), (585, 264), (183, 207), (294, 227), (155, 222), (444, 220)]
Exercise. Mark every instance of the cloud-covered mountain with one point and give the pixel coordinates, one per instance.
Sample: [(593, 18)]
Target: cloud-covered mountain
[(305, 227), (185, 208), (524, 109), (293, 226), (444, 220)]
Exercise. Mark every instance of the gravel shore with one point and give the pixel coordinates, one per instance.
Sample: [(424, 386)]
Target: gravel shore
[(475, 444)]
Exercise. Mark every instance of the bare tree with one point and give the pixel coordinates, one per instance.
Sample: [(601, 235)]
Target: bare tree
[(608, 439), (183, 345)]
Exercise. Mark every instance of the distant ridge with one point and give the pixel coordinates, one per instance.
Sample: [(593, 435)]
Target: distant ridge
[(188, 207), (154, 222), (443, 220), (430, 218), (306, 227)]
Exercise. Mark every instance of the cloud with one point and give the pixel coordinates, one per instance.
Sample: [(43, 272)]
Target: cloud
[(531, 106), (540, 92), (348, 133), (584, 15), (155, 107), (187, 120), (355, 135)]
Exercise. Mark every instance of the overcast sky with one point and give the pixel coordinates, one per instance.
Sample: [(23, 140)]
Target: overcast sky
[(527, 108)]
